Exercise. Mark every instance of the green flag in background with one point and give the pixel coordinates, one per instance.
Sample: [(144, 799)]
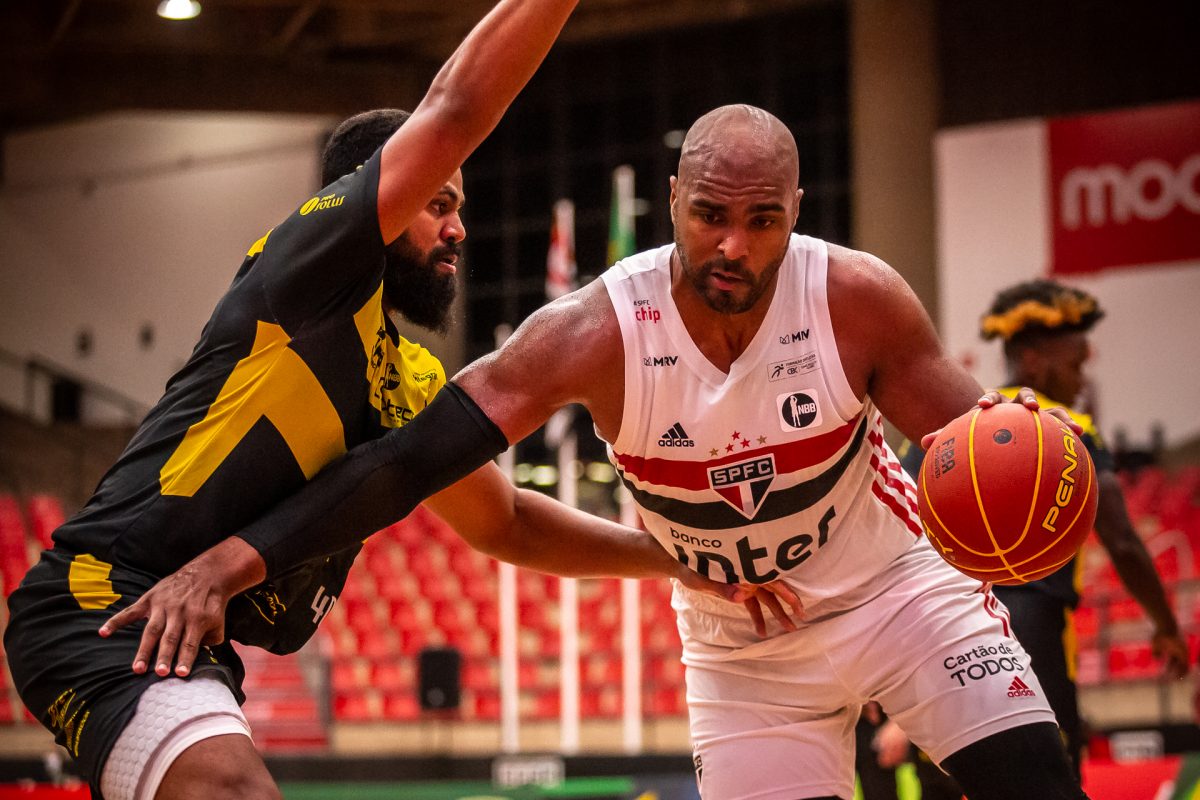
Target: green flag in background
[(621, 242)]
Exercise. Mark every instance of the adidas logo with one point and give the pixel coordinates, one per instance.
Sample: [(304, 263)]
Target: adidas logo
[(1018, 688), (675, 436)]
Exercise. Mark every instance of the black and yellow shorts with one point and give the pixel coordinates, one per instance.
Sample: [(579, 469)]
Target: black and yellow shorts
[(78, 685)]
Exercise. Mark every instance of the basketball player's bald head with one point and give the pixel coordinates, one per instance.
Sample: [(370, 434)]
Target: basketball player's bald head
[(734, 204), (740, 142)]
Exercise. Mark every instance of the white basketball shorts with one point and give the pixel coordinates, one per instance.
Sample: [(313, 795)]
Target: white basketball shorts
[(774, 719)]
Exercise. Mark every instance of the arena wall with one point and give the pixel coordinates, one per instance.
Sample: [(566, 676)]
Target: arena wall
[(994, 230)]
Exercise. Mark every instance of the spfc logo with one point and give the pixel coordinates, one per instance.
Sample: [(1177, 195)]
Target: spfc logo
[(744, 484)]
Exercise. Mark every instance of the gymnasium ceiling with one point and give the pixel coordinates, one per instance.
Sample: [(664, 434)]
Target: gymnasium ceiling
[(64, 58)]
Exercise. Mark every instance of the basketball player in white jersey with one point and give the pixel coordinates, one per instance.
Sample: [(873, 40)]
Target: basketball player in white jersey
[(739, 377)]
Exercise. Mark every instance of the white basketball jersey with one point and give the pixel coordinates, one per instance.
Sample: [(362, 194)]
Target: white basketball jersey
[(774, 470)]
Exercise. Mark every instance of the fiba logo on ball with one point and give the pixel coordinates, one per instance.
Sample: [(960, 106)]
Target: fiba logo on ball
[(798, 410)]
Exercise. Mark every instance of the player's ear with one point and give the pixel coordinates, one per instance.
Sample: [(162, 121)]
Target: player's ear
[(674, 196), (796, 206)]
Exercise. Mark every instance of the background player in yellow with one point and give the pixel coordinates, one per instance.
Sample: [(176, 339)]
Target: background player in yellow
[(1044, 328)]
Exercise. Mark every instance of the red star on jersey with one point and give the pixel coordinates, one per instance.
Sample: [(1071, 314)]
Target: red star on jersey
[(728, 448), (745, 443), (736, 435)]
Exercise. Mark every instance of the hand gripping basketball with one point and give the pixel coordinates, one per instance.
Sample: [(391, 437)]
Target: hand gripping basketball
[(1007, 494)]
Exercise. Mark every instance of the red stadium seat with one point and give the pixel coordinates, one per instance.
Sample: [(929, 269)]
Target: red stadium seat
[(359, 586), (600, 703), (348, 675), (14, 554), (547, 704), (1086, 620), (1124, 609), (533, 614), (481, 704), (667, 702), (392, 675), (355, 707), (1132, 661), (483, 588), (1090, 671), (601, 670), (397, 586), (487, 615), (378, 644), (401, 706), (361, 616), (413, 641), (344, 643), (440, 586), (45, 515), (479, 675)]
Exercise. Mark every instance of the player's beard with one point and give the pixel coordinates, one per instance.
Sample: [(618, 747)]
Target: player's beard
[(413, 285), (727, 302)]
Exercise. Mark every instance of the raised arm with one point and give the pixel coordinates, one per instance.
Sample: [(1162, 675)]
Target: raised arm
[(464, 103)]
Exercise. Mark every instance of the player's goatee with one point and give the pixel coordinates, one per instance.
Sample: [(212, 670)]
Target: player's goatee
[(415, 287)]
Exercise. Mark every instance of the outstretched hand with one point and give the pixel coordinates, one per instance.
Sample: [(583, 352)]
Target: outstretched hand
[(773, 595), (770, 595), (186, 609), (1025, 396)]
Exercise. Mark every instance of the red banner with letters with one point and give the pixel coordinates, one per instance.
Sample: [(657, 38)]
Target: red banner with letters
[(1125, 188)]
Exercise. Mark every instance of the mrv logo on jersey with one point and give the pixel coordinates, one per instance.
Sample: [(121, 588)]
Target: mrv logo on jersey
[(744, 484), (675, 436)]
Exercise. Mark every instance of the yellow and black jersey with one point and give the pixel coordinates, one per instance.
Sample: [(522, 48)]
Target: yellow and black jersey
[(1063, 584), (297, 365)]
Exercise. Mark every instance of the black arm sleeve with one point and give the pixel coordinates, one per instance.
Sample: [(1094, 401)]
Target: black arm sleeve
[(378, 483)]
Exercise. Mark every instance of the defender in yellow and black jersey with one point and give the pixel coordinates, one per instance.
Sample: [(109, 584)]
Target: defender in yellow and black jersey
[(298, 364)]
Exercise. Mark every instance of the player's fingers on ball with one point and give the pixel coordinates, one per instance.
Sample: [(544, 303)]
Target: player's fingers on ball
[(1027, 397), (989, 399), (1062, 415)]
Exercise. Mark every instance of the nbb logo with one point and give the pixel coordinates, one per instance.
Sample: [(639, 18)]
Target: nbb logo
[(1125, 188)]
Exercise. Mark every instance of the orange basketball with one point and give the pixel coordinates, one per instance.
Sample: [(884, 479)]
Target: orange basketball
[(1006, 494)]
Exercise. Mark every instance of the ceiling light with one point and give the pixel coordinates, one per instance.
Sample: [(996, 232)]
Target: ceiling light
[(178, 9)]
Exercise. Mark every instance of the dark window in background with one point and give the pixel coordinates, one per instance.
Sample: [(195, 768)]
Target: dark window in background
[(595, 106), (1032, 58)]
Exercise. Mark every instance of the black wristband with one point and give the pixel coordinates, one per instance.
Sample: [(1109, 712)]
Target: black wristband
[(378, 483)]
